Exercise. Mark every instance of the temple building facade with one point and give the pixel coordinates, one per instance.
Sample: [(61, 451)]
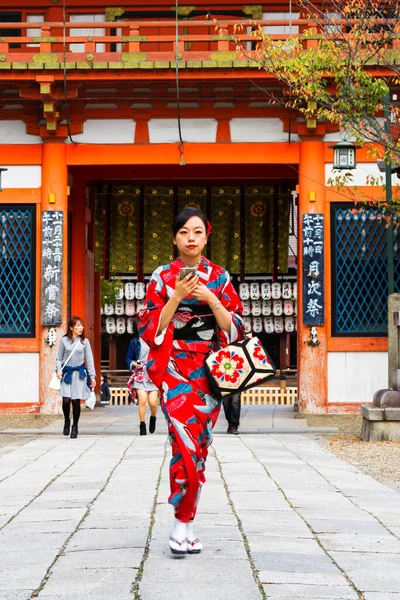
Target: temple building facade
[(112, 118)]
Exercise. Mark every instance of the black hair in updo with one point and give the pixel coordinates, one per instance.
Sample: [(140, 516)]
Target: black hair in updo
[(183, 217)]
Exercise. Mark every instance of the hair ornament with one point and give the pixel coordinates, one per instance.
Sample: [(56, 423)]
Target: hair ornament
[(209, 228)]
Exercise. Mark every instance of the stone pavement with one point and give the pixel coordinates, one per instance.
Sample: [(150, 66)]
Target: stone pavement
[(279, 517)]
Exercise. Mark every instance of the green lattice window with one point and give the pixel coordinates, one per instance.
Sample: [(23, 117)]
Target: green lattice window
[(17, 270), (360, 271)]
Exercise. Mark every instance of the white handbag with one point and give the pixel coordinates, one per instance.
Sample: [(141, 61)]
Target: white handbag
[(91, 401), (55, 382)]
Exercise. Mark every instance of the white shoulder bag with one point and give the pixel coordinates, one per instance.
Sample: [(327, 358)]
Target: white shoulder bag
[(55, 382)]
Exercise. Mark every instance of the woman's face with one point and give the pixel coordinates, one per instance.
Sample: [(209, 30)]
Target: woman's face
[(191, 238), (77, 329)]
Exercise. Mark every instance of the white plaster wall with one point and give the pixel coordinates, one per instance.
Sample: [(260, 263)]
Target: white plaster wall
[(106, 131), (79, 18), (20, 377), (280, 16), (34, 32), (356, 376), (21, 176), (259, 130), (163, 131), (360, 174), (14, 132)]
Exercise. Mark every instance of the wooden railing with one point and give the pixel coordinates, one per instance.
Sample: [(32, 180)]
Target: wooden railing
[(147, 42)]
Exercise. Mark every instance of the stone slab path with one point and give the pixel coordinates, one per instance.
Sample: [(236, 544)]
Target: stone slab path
[(279, 517)]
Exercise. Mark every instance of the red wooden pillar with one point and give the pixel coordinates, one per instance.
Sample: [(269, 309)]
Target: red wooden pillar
[(97, 328), (54, 187), (78, 250), (85, 286), (312, 360)]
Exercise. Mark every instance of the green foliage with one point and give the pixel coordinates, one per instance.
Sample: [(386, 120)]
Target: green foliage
[(110, 290), (332, 71)]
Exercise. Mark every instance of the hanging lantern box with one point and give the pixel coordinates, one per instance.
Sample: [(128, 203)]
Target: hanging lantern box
[(344, 155)]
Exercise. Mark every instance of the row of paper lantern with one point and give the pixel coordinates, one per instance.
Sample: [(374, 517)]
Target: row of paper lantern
[(270, 324), (121, 307), (120, 325), (265, 308), (268, 291), (131, 290)]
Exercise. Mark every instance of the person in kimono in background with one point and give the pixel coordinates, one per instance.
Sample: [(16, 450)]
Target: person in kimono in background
[(179, 324)]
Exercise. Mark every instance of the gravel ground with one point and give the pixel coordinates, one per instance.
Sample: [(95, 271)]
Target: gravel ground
[(380, 460), (12, 421), (343, 422), (21, 422)]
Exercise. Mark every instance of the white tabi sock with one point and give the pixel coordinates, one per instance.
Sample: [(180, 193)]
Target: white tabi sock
[(190, 535), (179, 531)]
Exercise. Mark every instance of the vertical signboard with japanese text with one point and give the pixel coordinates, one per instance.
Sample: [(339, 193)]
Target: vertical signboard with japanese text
[(52, 265), (313, 269)]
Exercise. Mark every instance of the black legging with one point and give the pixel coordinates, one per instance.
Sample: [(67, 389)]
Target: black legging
[(76, 409)]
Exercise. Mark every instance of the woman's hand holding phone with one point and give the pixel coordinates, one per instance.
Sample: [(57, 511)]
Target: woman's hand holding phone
[(184, 287)]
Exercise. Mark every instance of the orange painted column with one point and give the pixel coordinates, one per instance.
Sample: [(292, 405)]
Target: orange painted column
[(97, 329), (312, 360), (78, 250), (54, 181)]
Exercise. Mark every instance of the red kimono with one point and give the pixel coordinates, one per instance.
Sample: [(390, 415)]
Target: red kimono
[(176, 366)]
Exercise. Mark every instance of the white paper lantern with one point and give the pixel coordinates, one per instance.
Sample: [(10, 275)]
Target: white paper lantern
[(295, 290), (140, 304), (286, 290), (110, 325), (289, 324), (246, 308), (130, 308), (278, 324), (121, 325), (119, 307), (266, 291), (295, 323), (140, 290), (130, 324), (276, 290), (129, 290), (288, 307), (295, 308), (120, 293), (256, 308), (254, 291), (108, 310), (244, 291), (269, 325), (266, 308), (277, 308), (247, 324), (257, 325)]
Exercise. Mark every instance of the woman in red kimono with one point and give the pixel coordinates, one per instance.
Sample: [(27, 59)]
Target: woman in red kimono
[(179, 324)]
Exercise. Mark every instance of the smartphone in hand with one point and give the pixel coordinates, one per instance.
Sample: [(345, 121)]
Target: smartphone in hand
[(184, 271)]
